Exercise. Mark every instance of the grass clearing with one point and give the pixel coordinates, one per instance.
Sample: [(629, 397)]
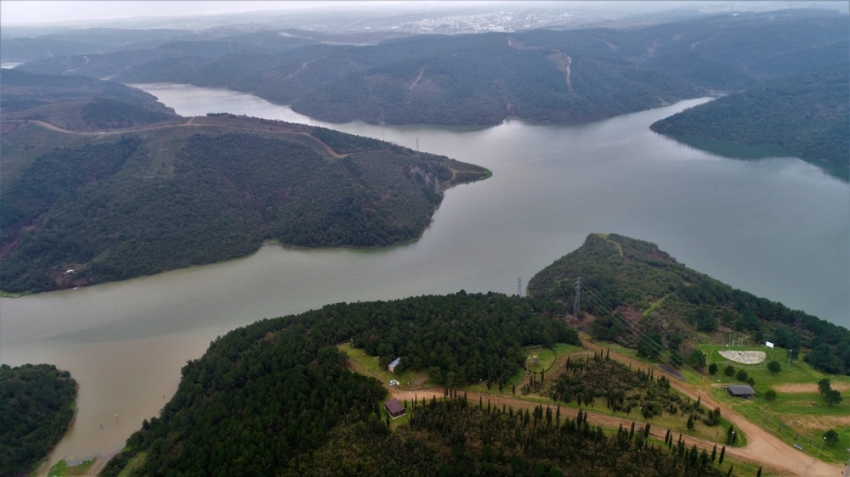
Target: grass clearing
[(135, 463), (368, 365), (539, 359)]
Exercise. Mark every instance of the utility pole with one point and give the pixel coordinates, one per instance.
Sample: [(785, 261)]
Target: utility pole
[(577, 303)]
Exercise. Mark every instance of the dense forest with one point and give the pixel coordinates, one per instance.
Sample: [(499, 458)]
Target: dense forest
[(36, 407), (632, 281), (805, 113), (282, 363), (77, 103), (277, 398), (568, 76), (177, 196)]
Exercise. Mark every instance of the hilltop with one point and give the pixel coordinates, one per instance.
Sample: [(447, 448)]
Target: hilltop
[(645, 299), (78, 103), (278, 397), (142, 201)]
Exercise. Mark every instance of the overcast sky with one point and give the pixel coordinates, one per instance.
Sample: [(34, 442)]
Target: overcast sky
[(23, 12), (38, 12)]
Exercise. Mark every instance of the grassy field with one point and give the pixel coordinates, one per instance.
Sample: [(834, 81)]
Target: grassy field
[(801, 416), (539, 359), (368, 365)]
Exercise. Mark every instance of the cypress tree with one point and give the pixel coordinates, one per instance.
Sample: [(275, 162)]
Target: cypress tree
[(729, 474), (646, 431), (714, 453), (632, 431), (722, 455), (758, 473)]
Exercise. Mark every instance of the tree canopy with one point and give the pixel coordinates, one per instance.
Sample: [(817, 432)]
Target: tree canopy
[(36, 407)]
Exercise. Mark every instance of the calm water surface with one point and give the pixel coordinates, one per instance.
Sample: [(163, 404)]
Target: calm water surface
[(778, 227)]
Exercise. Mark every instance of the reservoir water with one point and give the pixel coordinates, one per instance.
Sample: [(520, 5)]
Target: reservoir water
[(777, 227)]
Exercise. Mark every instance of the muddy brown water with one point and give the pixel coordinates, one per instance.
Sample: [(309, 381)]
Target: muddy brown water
[(777, 227)]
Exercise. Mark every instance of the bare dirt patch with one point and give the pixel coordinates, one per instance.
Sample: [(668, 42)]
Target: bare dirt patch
[(793, 388), (744, 357)]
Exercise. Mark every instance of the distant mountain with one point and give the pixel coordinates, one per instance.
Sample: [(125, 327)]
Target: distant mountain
[(90, 41), (804, 113), (562, 76), (121, 205), (633, 283)]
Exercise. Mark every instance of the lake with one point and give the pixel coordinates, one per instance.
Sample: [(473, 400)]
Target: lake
[(777, 227)]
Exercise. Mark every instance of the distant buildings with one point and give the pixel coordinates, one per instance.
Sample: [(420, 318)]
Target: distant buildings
[(393, 365), (394, 407)]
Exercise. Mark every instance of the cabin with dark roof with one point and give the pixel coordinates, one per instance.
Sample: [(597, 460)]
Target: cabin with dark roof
[(394, 407), (741, 391)]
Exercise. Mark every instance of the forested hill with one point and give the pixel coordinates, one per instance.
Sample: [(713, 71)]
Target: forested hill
[(77, 103), (95, 208), (36, 408), (669, 302), (804, 113), (277, 398), (564, 76)]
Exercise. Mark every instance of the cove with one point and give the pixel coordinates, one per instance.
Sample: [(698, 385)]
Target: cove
[(778, 227)]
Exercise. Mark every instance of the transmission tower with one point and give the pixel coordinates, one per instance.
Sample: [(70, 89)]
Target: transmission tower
[(417, 143), (577, 303), (519, 286)]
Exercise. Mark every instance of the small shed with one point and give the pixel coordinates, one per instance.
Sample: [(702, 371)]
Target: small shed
[(393, 365), (394, 407), (740, 390)]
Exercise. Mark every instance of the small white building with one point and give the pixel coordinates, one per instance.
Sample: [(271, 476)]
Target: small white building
[(393, 365)]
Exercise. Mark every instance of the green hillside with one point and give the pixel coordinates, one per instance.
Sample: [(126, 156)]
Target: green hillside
[(644, 298), (804, 113), (137, 203), (570, 76), (277, 398), (36, 408), (78, 103)]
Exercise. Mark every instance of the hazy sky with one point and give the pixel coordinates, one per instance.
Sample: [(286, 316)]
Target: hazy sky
[(38, 12), (22, 12)]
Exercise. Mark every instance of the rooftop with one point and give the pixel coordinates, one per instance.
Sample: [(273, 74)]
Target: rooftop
[(741, 389), (394, 407)]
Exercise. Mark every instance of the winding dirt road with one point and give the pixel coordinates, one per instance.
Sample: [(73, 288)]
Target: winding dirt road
[(762, 447)]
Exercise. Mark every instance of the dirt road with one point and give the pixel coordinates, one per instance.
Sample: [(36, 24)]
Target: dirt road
[(762, 447)]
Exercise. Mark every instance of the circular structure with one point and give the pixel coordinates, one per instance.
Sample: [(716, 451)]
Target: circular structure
[(744, 357)]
